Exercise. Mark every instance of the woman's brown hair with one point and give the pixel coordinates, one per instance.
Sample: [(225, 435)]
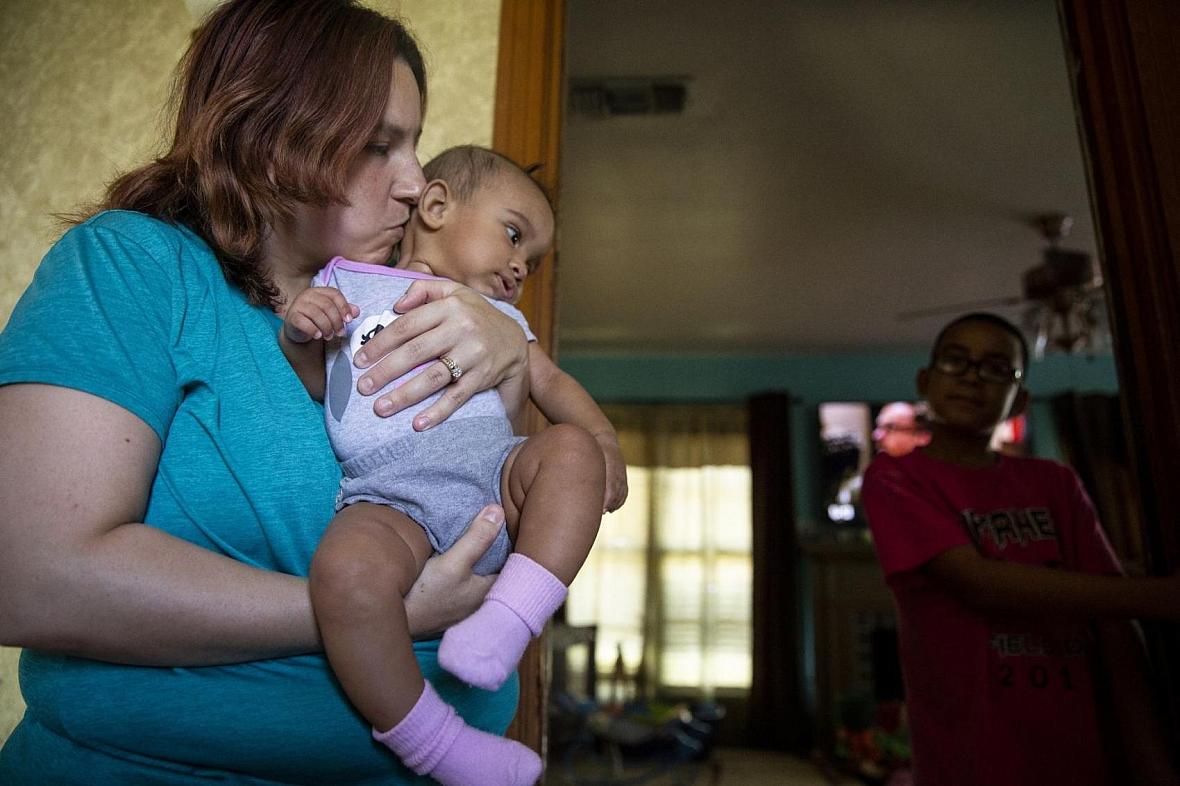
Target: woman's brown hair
[(276, 98)]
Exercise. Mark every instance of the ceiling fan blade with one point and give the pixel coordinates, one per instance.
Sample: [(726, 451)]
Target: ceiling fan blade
[(1011, 300)]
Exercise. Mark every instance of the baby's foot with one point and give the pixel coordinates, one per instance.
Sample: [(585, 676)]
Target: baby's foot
[(433, 740), (481, 759), (483, 649)]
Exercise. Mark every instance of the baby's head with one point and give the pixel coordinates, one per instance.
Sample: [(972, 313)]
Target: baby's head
[(482, 221)]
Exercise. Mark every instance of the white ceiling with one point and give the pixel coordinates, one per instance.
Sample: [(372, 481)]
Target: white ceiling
[(839, 161)]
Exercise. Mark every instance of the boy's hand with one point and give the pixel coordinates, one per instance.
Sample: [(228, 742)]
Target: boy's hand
[(616, 473), (317, 313)]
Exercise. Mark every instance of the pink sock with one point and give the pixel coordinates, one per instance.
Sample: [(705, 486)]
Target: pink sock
[(483, 649), (433, 740)]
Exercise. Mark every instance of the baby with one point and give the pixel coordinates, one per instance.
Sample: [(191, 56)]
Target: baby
[(485, 223)]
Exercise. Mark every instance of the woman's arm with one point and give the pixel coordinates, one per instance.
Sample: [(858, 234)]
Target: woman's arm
[(992, 585), (442, 318), (84, 577), (80, 574)]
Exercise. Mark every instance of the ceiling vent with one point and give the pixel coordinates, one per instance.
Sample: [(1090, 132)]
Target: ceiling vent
[(628, 96)]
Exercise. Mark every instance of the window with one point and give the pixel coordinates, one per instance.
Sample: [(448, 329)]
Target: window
[(669, 580)]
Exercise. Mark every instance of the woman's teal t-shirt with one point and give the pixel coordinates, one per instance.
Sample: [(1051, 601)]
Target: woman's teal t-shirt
[(138, 312)]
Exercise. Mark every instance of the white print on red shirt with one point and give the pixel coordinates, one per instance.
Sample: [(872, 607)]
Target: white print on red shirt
[(1010, 525)]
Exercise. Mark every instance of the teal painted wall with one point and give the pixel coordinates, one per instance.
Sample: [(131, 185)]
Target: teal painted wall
[(811, 379)]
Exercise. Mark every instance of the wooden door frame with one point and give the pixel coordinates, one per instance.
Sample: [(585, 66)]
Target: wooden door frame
[(1123, 62), (527, 128)]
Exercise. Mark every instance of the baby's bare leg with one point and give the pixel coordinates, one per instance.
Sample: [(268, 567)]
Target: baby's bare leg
[(367, 561), (552, 489), (548, 487)]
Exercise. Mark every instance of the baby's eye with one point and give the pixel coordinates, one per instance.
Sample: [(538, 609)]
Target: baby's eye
[(513, 234)]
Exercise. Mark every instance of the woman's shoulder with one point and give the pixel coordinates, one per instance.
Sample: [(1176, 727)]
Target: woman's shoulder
[(148, 232), (126, 248)]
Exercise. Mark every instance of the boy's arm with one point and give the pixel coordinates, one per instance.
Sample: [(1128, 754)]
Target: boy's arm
[(1145, 751), (562, 400), (991, 585), (916, 532)]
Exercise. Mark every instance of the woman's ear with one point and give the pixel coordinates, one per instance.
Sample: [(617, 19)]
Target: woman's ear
[(435, 203)]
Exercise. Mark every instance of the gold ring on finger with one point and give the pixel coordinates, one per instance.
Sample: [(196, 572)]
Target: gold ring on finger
[(452, 367)]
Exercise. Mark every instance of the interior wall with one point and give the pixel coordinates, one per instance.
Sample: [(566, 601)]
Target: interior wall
[(460, 41), (81, 86), (81, 91), (810, 379)]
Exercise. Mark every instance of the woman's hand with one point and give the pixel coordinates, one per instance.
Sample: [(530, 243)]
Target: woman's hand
[(447, 591), (442, 319)]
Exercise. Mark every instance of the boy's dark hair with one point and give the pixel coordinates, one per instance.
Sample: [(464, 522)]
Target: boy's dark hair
[(989, 319), (466, 168)]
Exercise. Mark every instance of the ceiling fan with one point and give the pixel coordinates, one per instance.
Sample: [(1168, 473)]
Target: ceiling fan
[(1065, 306)]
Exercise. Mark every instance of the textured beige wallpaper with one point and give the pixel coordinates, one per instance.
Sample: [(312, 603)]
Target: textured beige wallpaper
[(460, 40), (81, 91), (81, 86)]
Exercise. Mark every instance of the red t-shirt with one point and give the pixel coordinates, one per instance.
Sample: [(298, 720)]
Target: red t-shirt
[(992, 699)]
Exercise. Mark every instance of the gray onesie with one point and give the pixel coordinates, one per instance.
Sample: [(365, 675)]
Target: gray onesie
[(441, 477)]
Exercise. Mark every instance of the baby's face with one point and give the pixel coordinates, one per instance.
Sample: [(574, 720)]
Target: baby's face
[(496, 238)]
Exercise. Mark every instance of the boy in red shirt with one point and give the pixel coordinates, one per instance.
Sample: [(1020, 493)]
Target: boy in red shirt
[(999, 566)]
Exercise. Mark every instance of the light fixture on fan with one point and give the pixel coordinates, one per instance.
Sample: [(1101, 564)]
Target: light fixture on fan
[(1066, 307)]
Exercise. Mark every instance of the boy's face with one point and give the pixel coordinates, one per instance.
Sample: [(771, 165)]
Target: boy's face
[(971, 384), (492, 241)]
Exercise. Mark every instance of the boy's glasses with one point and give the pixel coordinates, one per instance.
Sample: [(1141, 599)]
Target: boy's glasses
[(988, 369)]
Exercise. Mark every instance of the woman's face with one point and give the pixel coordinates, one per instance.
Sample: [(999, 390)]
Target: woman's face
[(383, 186)]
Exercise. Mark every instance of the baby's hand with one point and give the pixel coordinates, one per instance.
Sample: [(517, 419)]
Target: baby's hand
[(317, 313), (616, 473)]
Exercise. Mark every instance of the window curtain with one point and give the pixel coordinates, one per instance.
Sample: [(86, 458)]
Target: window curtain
[(777, 714), (1090, 431), (668, 581)]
